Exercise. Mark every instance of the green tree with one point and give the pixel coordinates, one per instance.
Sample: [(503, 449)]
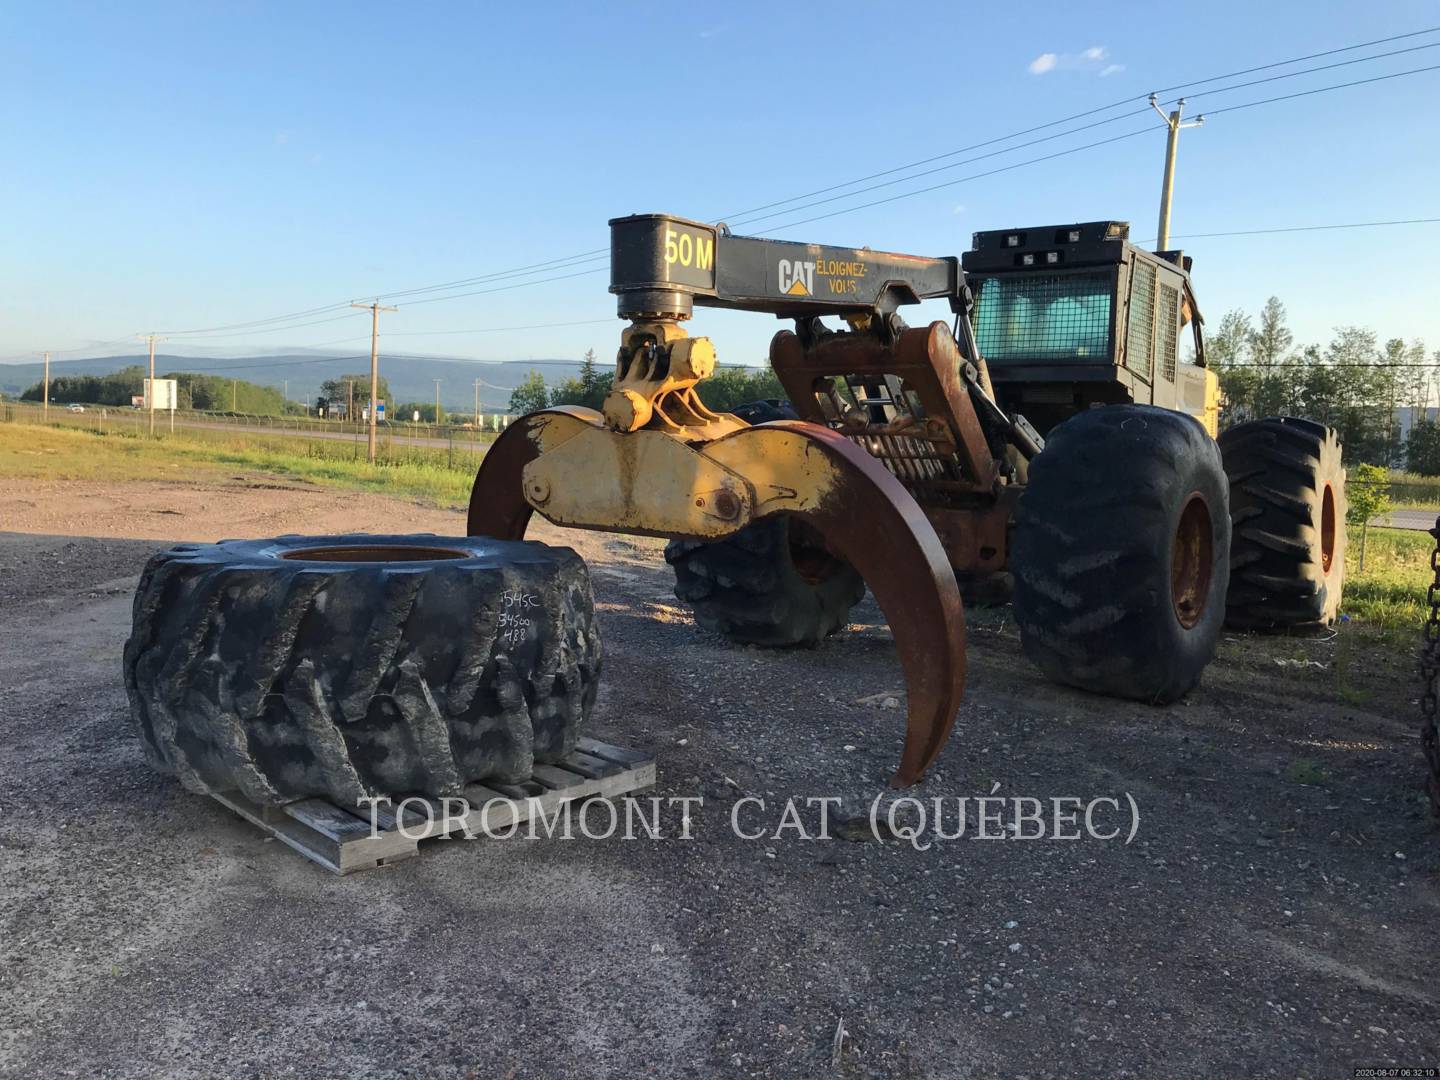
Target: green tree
[(575, 391), (1227, 350), (530, 395), (732, 386), (1422, 447), (590, 374), (1367, 488), (338, 391)]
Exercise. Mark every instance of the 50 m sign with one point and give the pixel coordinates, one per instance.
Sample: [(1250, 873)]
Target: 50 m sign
[(689, 249)]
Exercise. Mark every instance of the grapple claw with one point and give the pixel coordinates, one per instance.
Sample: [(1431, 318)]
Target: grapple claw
[(868, 518), (789, 467)]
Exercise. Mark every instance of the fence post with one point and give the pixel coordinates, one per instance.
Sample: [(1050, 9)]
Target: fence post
[(1364, 532)]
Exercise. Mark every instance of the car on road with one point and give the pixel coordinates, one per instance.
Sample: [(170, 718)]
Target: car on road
[(77, 408)]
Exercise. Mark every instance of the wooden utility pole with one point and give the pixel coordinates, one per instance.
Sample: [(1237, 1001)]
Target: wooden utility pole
[(235, 395), (437, 402), (1167, 187), (46, 391), (350, 406), (477, 404), (375, 310), (150, 395)]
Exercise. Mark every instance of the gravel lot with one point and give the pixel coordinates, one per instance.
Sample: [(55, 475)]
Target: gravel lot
[(1275, 914)]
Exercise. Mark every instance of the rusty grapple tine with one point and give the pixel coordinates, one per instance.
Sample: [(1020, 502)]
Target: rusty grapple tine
[(863, 513), (497, 500), (870, 519)]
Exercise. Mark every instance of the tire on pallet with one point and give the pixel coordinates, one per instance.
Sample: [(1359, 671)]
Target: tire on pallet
[(351, 666), (771, 584), (1287, 508), (1121, 553)]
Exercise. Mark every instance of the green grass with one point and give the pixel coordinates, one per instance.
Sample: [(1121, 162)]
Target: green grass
[(430, 475), (1389, 596)]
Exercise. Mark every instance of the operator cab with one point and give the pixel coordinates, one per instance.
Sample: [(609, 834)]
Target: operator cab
[(1071, 316)]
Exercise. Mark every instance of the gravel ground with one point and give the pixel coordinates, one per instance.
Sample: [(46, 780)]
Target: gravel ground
[(1273, 916)]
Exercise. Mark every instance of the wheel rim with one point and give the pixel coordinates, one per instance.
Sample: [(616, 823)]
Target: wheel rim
[(1192, 560), (1327, 528), (809, 556), (378, 553)]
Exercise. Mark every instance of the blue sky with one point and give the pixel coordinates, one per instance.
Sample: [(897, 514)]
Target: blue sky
[(200, 164)]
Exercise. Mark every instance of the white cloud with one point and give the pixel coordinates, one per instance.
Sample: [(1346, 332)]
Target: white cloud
[(1095, 58), (959, 208)]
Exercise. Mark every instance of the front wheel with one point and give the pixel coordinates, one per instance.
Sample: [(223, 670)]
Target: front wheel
[(773, 583), (1121, 553)]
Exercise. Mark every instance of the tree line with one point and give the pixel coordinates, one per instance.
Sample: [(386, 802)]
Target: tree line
[(209, 393), (1353, 383), (723, 391)]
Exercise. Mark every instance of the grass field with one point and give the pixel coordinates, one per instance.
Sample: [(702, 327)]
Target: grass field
[(1387, 599), (430, 475)]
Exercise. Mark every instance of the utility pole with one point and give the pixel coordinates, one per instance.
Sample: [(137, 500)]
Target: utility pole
[(234, 395), (47, 387), (375, 310), (1172, 122), (150, 397), (477, 404), (350, 406), (437, 402)]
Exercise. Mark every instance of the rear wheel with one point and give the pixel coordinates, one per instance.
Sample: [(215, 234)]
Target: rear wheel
[(1287, 505), (772, 583), (1121, 553)]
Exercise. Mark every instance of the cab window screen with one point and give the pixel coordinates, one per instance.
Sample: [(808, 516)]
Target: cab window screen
[(1042, 318)]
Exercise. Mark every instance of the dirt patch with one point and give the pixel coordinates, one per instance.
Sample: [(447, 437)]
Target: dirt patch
[(1274, 915)]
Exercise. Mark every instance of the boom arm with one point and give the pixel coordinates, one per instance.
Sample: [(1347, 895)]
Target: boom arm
[(662, 265)]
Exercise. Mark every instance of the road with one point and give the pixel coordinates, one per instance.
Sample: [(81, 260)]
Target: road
[(1419, 520)]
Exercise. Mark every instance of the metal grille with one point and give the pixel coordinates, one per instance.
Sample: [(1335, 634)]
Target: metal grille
[(862, 407), (1034, 318), (1167, 326), (1140, 334)]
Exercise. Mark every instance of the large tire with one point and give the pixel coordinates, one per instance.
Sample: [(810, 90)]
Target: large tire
[(354, 666), (1121, 553), (770, 584), (1287, 505)]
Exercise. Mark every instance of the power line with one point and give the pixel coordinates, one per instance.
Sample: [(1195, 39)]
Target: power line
[(1092, 145), (566, 262), (498, 329), (1304, 228), (1322, 89), (286, 322), (1104, 108)]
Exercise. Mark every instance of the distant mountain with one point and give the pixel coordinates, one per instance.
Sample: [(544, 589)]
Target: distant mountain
[(411, 379)]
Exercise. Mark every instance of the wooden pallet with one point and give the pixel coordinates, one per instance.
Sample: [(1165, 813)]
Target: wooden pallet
[(343, 841)]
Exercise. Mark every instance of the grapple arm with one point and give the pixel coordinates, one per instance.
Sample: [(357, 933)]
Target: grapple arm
[(578, 472)]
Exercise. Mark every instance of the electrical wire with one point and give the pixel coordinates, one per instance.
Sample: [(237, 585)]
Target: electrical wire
[(1301, 228), (1092, 145), (566, 262), (1105, 108), (280, 323)]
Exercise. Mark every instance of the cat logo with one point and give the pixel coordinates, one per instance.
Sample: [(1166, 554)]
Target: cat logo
[(796, 278)]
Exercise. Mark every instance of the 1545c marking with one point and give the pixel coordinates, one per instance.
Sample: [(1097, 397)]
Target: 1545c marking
[(689, 249)]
